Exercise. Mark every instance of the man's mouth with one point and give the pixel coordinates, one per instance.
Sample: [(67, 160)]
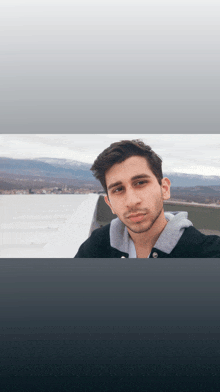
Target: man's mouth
[(136, 217)]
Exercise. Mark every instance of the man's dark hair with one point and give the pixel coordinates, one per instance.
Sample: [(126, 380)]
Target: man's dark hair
[(119, 152)]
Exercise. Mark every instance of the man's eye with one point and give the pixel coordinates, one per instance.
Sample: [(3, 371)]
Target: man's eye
[(117, 190), (141, 182)]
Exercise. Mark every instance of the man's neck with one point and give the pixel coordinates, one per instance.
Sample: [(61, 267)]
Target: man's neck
[(149, 238)]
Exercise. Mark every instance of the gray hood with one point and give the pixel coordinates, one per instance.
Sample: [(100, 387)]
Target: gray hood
[(177, 223)]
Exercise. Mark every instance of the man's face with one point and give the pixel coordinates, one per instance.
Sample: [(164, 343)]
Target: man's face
[(135, 195)]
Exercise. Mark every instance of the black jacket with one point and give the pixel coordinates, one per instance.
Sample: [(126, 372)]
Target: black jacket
[(191, 244)]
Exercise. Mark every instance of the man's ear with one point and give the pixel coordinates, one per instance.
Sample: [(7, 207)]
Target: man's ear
[(109, 204), (166, 188)]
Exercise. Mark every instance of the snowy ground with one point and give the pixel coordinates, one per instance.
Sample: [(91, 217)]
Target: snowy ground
[(43, 225)]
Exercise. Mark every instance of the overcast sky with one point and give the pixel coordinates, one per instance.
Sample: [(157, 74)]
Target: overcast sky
[(192, 154), (109, 66)]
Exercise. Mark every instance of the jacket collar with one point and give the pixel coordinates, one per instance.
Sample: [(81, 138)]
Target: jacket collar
[(177, 222)]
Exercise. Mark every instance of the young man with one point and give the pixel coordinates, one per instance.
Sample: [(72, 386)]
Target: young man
[(131, 175)]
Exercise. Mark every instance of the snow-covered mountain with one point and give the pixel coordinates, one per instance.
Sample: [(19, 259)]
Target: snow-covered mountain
[(47, 167), (72, 169), (65, 163)]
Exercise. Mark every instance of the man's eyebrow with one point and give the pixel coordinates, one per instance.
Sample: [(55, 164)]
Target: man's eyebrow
[(132, 179), (140, 176)]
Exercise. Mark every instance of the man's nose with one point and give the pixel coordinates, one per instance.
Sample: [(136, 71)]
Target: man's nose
[(132, 198)]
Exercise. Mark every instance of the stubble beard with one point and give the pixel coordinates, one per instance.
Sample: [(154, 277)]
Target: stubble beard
[(147, 226)]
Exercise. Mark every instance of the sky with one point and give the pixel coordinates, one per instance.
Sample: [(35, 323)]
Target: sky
[(191, 154), (109, 66)]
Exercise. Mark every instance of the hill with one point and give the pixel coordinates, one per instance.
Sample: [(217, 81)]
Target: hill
[(23, 174)]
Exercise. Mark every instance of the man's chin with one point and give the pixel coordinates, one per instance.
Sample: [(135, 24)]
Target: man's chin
[(138, 228), (144, 225)]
